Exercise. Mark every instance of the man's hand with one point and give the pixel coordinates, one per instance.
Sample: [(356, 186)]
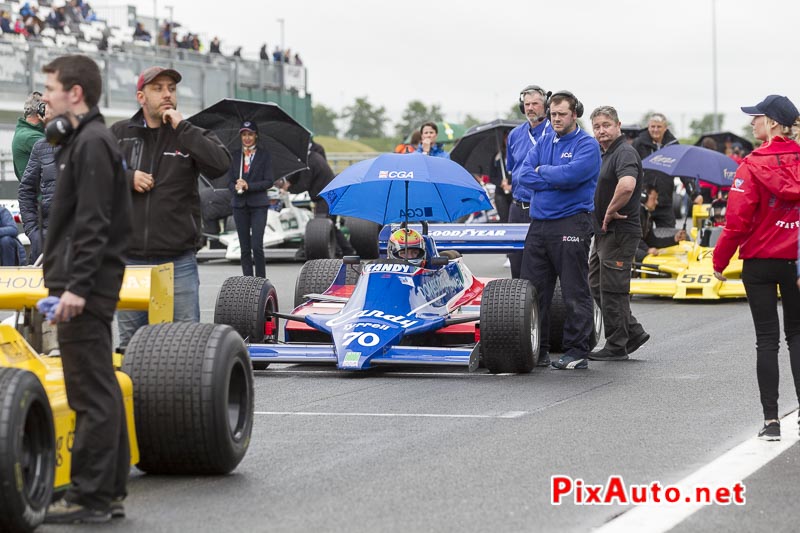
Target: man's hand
[(142, 181), (70, 306), (172, 117), (282, 184), (719, 276), (652, 251), (426, 145), (680, 236), (610, 217)]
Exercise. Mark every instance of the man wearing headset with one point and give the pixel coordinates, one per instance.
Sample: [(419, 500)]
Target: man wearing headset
[(90, 222), (520, 141), (30, 128), (561, 172)]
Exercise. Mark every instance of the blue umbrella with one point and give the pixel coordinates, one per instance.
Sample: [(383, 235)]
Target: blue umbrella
[(693, 162), (405, 187)]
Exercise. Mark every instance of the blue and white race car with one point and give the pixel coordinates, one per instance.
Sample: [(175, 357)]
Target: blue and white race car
[(389, 312)]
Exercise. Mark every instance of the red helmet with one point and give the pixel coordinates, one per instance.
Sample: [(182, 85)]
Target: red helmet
[(407, 244)]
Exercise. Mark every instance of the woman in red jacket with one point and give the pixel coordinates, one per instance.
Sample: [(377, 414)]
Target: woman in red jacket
[(762, 220)]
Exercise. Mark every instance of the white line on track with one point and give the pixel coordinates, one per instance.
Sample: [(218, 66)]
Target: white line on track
[(728, 469), (507, 414)]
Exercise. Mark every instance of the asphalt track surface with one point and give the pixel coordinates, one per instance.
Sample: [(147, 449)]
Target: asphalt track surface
[(444, 450)]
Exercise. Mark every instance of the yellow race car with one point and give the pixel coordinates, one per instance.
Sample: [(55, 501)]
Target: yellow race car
[(685, 271), (187, 389)]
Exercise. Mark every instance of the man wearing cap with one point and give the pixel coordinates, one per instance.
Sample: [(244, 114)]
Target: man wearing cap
[(30, 128), (164, 156), (762, 222)]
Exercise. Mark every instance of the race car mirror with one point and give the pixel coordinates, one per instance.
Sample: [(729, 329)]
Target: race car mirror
[(351, 260)]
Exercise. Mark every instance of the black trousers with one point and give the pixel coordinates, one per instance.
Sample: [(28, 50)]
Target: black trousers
[(762, 278), (502, 202), (250, 225), (516, 215), (559, 249), (610, 281), (100, 451)]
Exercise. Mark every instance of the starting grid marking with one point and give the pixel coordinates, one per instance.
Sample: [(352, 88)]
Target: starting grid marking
[(506, 415), (732, 466)]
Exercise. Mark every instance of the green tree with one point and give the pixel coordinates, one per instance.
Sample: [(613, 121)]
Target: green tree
[(705, 124), (470, 121), (747, 133), (324, 120), (513, 113), (365, 119), (414, 115)]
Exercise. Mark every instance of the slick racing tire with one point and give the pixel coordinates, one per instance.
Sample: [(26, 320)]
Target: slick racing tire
[(558, 314), (192, 397), (316, 276), (509, 326), (243, 303), (364, 237), (27, 451), (320, 239)]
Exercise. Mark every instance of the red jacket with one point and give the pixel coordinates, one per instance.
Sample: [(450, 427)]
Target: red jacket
[(763, 213)]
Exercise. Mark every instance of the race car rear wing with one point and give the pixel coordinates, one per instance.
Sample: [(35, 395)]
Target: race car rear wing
[(469, 238), (144, 288)]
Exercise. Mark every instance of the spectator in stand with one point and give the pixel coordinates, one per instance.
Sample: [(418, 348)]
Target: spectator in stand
[(20, 29), (197, 46), (141, 34), (56, 19), (297, 60), (264, 53), (214, 49), (238, 52), (73, 15), (277, 55), (5, 22)]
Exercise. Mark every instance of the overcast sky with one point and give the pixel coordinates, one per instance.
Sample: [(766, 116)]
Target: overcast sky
[(473, 57)]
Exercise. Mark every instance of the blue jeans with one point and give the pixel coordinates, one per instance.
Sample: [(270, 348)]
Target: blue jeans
[(186, 306), (8, 251)]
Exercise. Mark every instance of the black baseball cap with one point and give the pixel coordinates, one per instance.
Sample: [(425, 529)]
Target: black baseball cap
[(249, 125), (778, 108)]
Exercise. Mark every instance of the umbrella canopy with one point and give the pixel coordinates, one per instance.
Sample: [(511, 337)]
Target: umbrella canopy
[(286, 139), (693, 162), (477, 149), (405, 187), (722, 137)]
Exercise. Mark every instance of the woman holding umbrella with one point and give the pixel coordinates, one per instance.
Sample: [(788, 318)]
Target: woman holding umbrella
[(249, 178), (762, 221)]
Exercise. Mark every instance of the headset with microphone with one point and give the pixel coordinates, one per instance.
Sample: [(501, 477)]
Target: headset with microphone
[(58, 130), (527, 90), (577, 105)]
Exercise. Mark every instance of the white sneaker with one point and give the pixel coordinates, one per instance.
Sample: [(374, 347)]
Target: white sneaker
[(507, 264)]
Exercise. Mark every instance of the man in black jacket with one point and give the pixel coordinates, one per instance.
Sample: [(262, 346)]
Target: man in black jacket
[(165, 155), (90, 222), (656, 137)]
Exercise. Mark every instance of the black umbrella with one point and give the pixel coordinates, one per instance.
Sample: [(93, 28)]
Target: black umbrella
[(721, 137), (285, 138), (477, 149)]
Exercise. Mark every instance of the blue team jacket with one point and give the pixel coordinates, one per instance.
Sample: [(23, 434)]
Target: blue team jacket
[(568, 171), (519, 143)]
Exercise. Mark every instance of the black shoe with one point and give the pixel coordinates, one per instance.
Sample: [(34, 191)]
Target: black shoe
[(636, 342), (607, 355), (64, 512), (771, 431), (544, 360), (117, 508), (569, 362)]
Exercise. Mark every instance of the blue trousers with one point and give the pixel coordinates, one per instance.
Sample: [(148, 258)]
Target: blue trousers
[(186, 305)]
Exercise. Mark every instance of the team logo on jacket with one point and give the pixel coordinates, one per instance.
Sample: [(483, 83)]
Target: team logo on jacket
[(566, 155), (570, 238), (737, 184)]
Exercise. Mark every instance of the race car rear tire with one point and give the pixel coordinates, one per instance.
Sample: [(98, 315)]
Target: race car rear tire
[(192, 397), (316, 276), (320, 239), (364, 237), (27, 451), (558, 314), (242, 303), (509, 326)]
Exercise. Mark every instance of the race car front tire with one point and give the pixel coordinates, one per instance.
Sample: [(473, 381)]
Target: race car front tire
[(364, 237), (509, 326), (316, 276), (192, 397), (558, 314), (27, 451), (320, 239), (243, 303)]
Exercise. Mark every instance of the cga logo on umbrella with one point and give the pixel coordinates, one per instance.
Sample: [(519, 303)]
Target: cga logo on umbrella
[(662, 159), (416, 212), (396, 174)]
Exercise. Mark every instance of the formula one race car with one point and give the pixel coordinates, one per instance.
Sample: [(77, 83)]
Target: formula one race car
[(685, 271), (391, 312), (189, 388)]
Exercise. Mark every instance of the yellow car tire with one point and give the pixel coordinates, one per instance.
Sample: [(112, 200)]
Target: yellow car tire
[(27, 451)]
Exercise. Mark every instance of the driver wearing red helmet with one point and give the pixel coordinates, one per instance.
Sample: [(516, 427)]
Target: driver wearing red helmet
[(408, 245)]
